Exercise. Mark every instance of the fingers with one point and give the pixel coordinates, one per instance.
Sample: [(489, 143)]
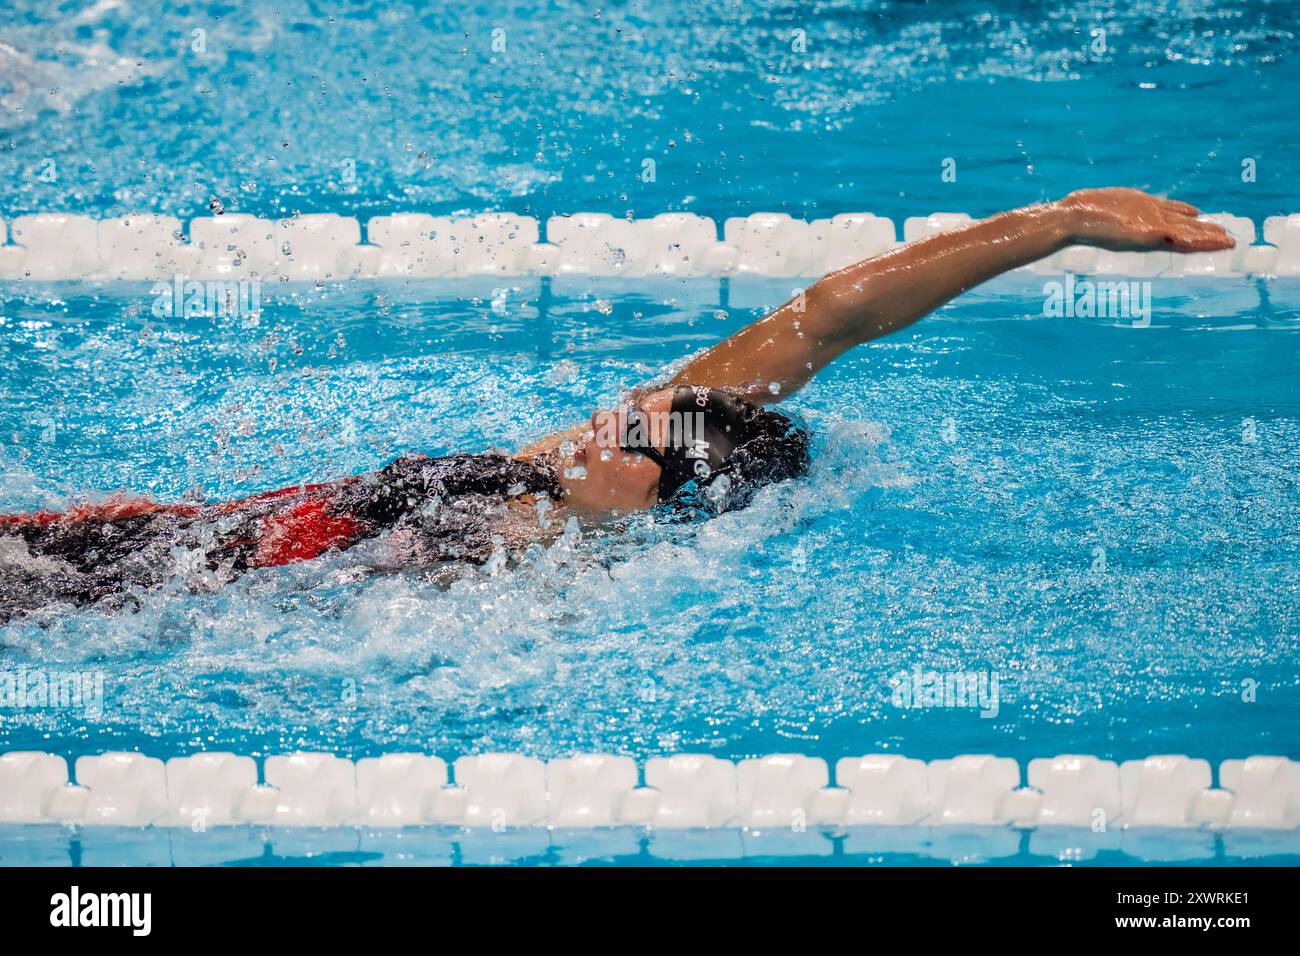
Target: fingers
[(1196, 236), (1214, 236), (1184, 208)]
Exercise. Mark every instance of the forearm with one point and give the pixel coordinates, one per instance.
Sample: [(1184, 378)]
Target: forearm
[(777, 355), (878, 296)]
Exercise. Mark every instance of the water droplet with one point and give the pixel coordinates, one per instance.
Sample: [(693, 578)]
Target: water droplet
[(543, 505)]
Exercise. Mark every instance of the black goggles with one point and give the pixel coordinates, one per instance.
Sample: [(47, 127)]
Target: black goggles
[(635, 418)]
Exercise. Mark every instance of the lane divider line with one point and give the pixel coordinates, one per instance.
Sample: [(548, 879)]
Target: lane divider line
[(773, 793), (326, 247)]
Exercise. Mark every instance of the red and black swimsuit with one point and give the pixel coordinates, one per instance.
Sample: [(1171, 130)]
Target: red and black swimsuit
[(81, 555)]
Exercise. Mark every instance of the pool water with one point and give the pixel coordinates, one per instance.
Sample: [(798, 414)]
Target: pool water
[(965, 475), (382, 107), (1104, 516)]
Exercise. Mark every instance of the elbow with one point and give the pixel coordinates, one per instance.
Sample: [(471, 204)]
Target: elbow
[(833, 311)]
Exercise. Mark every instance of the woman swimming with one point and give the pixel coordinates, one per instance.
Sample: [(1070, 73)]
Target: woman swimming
[(702, 441)]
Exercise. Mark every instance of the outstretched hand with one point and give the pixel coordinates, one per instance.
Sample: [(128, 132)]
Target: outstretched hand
[(1128, 220)]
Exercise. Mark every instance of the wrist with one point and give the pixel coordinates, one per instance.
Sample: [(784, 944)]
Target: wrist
[(1045, 228), (1061, 223)]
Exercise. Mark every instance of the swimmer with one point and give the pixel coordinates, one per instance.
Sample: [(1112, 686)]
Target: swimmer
[(704, 441)]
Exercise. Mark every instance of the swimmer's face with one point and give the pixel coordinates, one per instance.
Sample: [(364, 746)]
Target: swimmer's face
[(616, 481)]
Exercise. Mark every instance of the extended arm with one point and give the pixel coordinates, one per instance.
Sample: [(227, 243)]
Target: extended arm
[(881, 295), (878, 296)]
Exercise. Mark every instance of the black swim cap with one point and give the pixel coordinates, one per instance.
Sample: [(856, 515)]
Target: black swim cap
[(711, 433)]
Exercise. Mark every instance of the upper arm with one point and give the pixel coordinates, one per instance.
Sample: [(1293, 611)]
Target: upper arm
[(764, 362), (777, 355)]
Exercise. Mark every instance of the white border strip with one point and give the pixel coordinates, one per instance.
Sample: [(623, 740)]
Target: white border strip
[(776, 793), (326, 247)]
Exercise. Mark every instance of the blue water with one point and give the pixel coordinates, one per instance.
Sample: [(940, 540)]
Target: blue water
[(966, 472), (431, 118)]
